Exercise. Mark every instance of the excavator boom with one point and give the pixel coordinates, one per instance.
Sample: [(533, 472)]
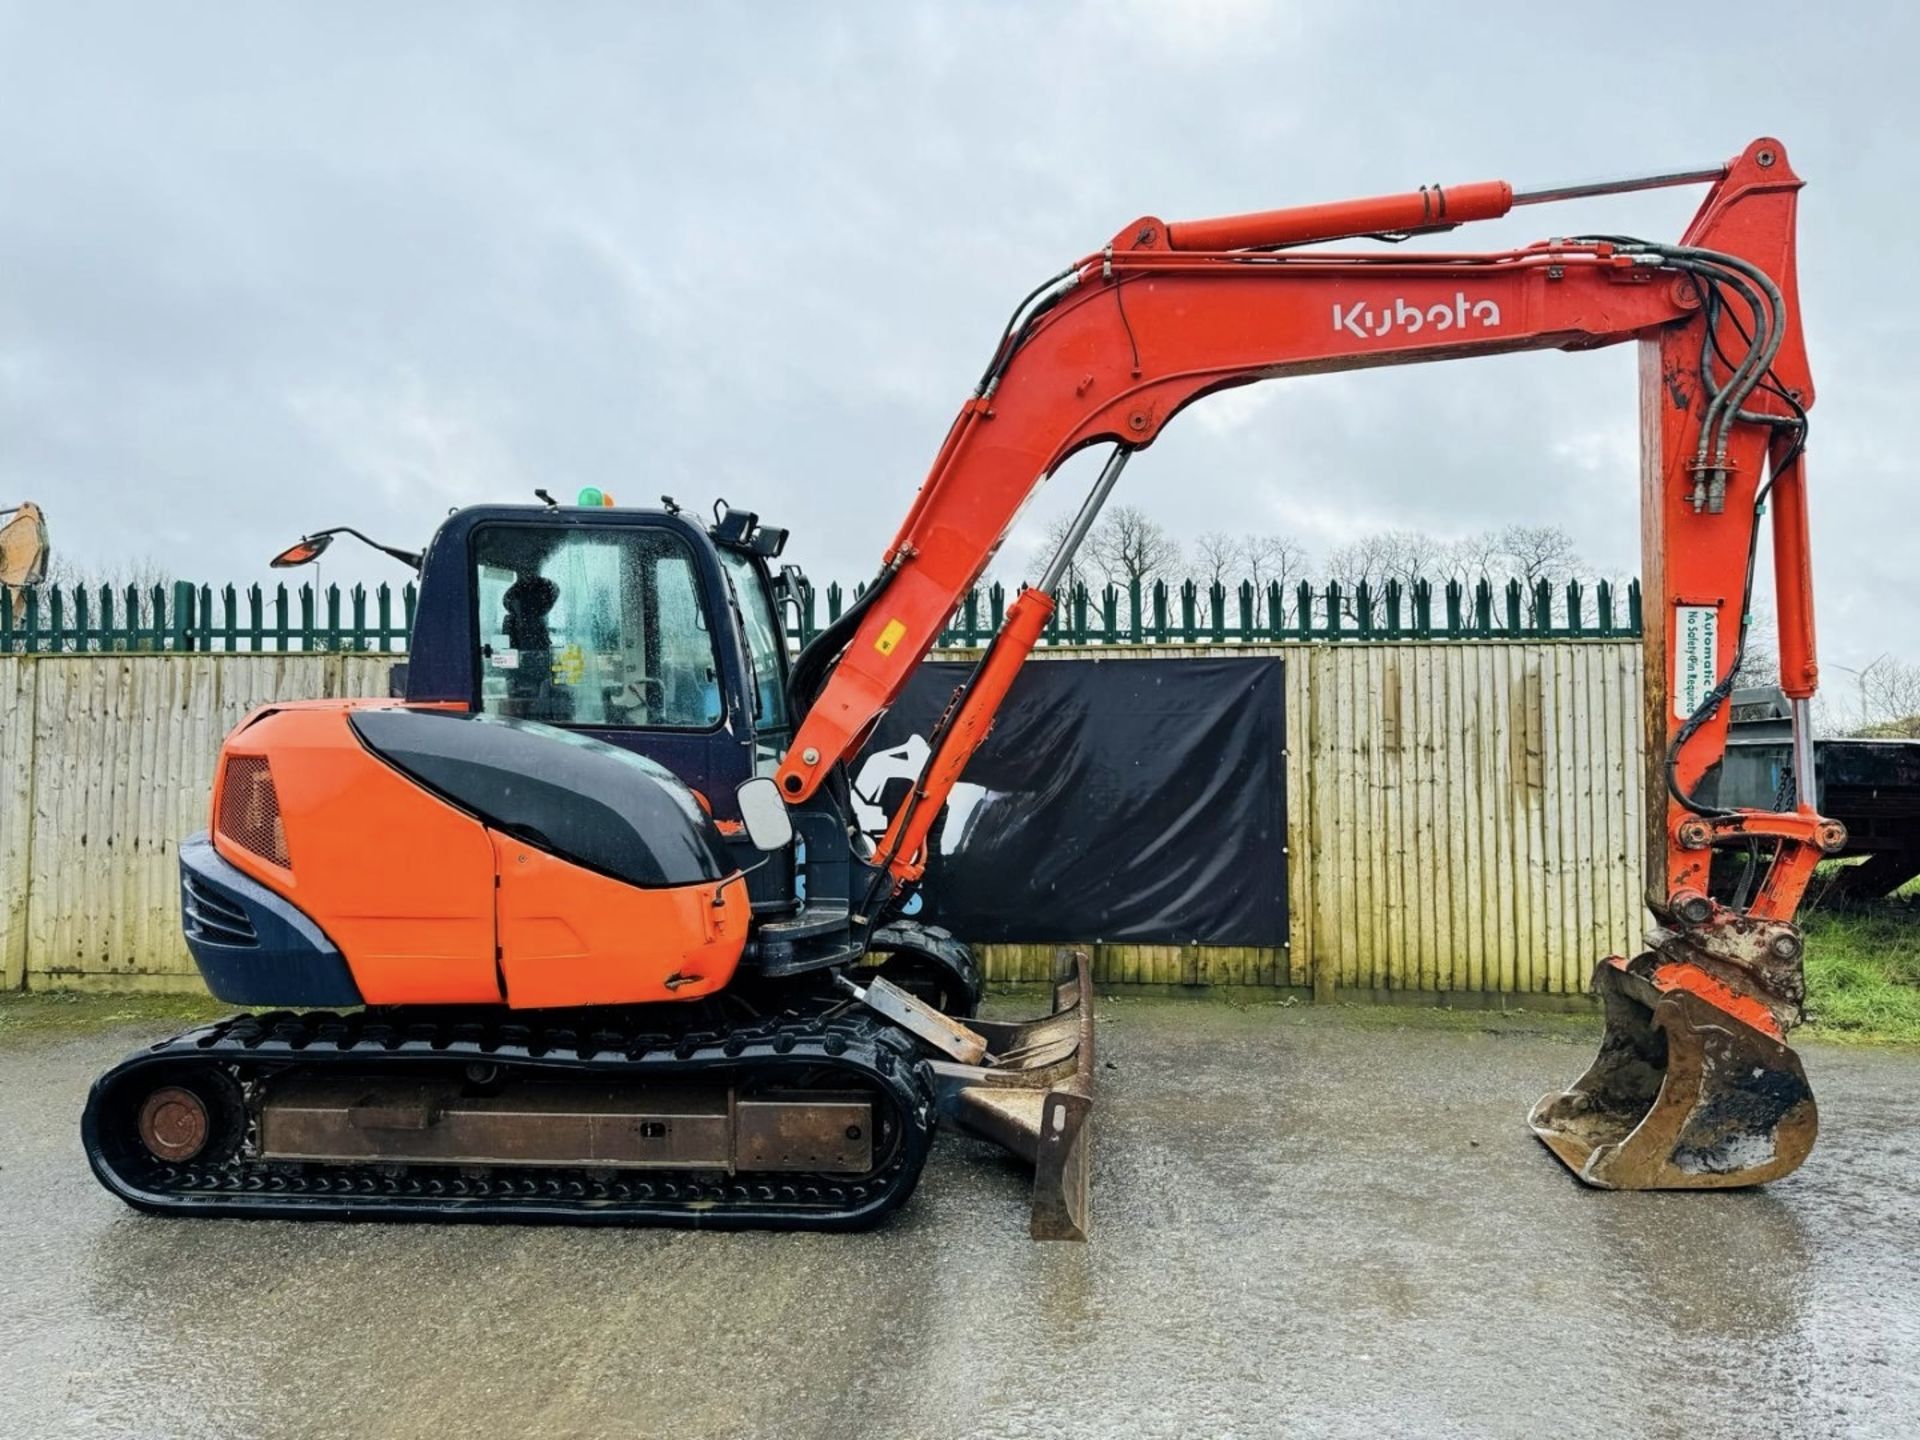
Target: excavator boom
[(1113, 348)]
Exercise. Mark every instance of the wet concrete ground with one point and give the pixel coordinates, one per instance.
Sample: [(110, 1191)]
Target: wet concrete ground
[(1309, 1223)]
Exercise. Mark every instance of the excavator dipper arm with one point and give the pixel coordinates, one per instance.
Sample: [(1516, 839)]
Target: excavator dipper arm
[(1109, 351)]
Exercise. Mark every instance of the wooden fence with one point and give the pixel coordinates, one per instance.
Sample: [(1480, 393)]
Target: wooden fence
[(108, 762), (1464, 819)]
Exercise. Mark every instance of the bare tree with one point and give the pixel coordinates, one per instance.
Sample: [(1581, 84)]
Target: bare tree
[(1760, 658), (1829, 715), (1076, 572), (1883, 702), (1403, 555), (1538, 555), (1272, 559), (1538, 552), (1216, 556), (1890, 699), (1472, 558), (1527, 553), (1217, 559), (142, 572), (1128, 545)]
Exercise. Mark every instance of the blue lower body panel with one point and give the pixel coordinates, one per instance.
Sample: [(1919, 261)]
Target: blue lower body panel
[(252, 946)]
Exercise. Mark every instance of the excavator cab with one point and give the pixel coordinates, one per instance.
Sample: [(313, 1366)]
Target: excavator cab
[(633, 626), (643, 629)]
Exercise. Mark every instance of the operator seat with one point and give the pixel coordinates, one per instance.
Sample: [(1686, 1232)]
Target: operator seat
[(531, 692)]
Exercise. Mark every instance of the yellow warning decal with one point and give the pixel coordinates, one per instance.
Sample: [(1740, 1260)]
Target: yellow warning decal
[(890, 637)]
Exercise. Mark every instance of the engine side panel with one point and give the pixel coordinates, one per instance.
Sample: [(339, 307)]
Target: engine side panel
[(569, 936), (399, 880), (600, 806), (416, 894)]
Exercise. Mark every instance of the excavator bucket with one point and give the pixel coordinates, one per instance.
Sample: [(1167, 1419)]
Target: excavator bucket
[(1032, 1094), (1683, 1096), (23, 554)]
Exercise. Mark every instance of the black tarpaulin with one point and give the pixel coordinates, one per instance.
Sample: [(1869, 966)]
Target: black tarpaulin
[(1138, 801)]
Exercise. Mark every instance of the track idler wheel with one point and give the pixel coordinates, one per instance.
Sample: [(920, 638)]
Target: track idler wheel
[(1683, 1096), (178, 1118), (174, 1123)]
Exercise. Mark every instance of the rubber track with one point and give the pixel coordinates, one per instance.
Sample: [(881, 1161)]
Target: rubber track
[(866, 1049)]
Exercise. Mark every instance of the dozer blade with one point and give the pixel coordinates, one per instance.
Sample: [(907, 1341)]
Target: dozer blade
[(1033, 1095), (1683, 1096)]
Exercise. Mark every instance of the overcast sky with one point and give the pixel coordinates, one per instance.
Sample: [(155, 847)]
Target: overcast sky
[(264, 270)]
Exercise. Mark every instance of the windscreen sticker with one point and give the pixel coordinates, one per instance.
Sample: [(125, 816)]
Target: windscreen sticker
[(1696, 636), (890, 636)]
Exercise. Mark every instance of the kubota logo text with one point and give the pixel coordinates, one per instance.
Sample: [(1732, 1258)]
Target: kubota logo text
[(1360, 318)]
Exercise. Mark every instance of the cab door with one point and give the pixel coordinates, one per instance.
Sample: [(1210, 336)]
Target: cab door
[(770, 878)]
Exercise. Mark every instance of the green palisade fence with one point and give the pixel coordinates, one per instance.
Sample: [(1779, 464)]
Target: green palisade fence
[(1190, 613), (188, 617)]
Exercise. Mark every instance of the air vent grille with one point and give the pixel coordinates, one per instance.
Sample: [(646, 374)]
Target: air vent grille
[(213, 917), (250, 810)]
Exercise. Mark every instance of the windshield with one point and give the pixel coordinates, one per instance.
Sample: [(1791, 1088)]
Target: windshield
[(600, 627)]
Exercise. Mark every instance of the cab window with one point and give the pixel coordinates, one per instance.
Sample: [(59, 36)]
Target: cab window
[(593, 627), (765, 645)]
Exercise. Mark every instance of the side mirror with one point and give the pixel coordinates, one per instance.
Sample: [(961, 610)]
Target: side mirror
[(308, 548), (302, 552), (769, 825)]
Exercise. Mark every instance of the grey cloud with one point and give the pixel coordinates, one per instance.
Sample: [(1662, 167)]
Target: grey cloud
[(263, 269)]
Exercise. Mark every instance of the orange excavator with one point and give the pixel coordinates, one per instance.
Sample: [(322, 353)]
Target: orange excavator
[(582, 930), (23, 555)]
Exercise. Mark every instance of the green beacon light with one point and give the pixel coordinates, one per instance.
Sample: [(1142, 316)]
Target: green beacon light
[(591, 497)]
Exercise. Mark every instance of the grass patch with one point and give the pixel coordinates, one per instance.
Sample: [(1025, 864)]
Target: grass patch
[(1863, 971), (63, 1013)]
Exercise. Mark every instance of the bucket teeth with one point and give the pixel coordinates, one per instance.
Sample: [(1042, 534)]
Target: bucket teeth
[(1682, 1096)]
